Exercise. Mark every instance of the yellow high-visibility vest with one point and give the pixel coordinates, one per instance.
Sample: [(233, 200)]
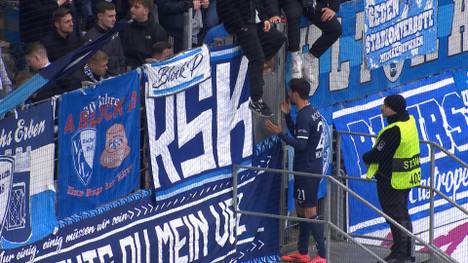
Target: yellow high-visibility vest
[(406, 168)]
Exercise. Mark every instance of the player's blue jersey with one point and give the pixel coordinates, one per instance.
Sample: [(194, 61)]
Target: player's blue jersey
[(308, 141)]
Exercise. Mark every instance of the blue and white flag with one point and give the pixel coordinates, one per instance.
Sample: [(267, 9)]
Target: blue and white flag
[(440, 112), (179, 73), (396, 30), (57, 69), (27, 194), (196, 134), (99, 142)]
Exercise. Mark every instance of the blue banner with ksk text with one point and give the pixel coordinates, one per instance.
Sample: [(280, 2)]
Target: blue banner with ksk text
[(197, 133), (99, 142), (396, 30), (27, 195), (439, 108)]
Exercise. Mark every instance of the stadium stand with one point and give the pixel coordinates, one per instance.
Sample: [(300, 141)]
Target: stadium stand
[(129, 145)]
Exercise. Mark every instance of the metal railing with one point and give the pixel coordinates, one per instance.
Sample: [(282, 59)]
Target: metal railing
[(187, 44), (327, 221), (431, 187), (188, 30), (433, 250)]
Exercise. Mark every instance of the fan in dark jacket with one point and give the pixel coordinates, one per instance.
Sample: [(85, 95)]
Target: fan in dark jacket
[(106, 17), (171, 17), (35, 18), (141, 34), (259, 42), (94, 71), (63, 39)]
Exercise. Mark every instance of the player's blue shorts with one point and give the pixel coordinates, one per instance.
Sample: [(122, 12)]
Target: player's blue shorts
[(305, 191)]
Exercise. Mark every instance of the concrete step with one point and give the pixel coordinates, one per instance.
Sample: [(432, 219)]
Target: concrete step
[(348, 252)]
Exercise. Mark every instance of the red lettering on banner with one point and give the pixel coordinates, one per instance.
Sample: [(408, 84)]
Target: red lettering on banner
[(69, 126), (133, 101), (105, 113), (119, 108), (83, 120), (94, 192), (95, 121), (72, 191), (124, 173), (109, 185)]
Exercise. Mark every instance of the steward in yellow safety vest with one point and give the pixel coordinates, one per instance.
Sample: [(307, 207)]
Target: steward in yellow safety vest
[(394, 162), (406, 170)]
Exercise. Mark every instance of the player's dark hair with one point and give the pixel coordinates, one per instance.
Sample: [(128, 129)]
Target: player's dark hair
[(301, 86)]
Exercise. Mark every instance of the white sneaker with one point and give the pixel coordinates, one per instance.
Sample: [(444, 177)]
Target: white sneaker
[(296, 68), (311, 63)]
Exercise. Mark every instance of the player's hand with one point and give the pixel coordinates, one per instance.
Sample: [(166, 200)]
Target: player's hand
[(275, 19), (196, 5), (285, 107), (273, 128), (327, 14), (266, 26)]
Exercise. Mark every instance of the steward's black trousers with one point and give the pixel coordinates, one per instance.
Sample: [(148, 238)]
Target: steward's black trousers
[(395, 204)]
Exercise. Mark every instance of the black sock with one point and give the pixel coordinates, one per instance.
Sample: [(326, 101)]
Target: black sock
[(317, 231), (303, 241)]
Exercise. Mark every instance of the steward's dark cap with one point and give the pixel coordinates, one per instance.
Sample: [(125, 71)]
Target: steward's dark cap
[(396, 102)]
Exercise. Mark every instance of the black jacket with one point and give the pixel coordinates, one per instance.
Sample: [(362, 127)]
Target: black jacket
[(333, 4), (236, 14), (137, 40), (385, 148), (113, 49), (171, 14), (57, 46), (35, 19), (83, 75), (55, 87), (272, 7)]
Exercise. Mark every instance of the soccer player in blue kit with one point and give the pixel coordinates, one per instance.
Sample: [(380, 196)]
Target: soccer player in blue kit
[(308, 141)]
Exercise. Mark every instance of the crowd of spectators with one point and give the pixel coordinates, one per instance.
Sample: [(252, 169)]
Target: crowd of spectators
[(50, 29)]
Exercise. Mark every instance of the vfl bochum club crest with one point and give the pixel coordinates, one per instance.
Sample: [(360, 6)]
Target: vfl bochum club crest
[(83, 149), (6, 181)]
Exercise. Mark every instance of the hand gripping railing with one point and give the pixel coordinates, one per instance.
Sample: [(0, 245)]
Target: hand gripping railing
[(327, 220), (431, 188)]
